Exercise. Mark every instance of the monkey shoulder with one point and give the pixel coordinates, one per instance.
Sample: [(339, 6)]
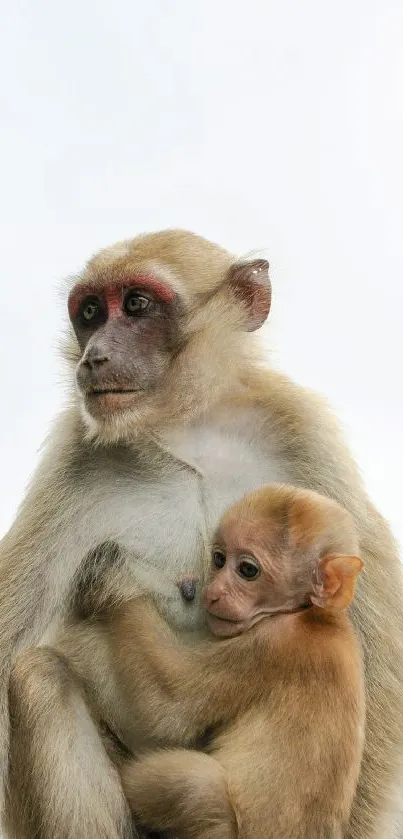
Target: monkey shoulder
[(305, 640), (326, 650), (305, 433)]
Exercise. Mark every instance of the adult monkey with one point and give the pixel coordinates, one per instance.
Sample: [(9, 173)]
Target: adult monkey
[(173, 419)]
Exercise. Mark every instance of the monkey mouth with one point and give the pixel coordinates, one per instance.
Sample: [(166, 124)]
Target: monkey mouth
[(106, 391), (223, 618), (104, 401), (224, 627)]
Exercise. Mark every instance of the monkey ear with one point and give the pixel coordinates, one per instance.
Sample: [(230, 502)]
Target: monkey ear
[(251, 284), (337, 577)]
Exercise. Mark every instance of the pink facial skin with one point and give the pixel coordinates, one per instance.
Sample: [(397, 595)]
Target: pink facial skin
[(113, 294)]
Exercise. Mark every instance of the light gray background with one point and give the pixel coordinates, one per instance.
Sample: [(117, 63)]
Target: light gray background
[(274, 125)]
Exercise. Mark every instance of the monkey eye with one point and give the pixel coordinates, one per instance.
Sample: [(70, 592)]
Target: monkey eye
[(248, 569), (219, 559), (136, 304), (91, 310)]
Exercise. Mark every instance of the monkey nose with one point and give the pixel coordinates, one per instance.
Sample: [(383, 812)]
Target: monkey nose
[(95, 357), (209, 597)]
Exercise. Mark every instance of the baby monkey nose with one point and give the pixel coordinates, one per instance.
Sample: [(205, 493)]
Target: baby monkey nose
[(187, 588), (210, 596)]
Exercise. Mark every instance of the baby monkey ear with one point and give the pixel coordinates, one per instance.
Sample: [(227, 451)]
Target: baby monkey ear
[(336, 579)]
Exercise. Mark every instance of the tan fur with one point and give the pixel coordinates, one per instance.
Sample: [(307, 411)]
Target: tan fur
[(283, 702), (125, 479), (46, 701)]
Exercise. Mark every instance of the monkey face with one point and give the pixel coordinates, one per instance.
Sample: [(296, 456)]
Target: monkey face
[(127, 333), (230, 597), (244, 587)]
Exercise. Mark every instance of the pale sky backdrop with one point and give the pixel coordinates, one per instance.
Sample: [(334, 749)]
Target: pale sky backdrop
[(275, 124)]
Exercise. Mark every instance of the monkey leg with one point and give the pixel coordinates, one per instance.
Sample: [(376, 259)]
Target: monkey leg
[(62, 784), (182, 791)]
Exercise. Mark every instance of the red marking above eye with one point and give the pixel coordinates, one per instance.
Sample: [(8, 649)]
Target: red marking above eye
[(147, 282), (113, 293), (75, 297)]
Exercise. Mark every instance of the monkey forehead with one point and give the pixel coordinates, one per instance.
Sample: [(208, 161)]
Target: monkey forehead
[(129, 273), (190, 263), (242, 530)]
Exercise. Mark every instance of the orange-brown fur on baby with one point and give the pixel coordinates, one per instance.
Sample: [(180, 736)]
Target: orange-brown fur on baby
[(283, 701)]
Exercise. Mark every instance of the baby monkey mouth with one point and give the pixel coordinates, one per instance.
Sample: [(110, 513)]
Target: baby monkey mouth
[(224, 619), (225, 627)]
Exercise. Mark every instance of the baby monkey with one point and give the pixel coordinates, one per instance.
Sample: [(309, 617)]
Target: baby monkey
[(273, 703)]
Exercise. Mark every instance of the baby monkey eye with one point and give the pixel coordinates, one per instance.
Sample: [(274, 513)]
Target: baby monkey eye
[(219, 559), (136, 304), (248, 569)]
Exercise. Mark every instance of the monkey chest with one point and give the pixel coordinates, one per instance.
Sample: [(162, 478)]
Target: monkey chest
[(167, 515), (163, 507)]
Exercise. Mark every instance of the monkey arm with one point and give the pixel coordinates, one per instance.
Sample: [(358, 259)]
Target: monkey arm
[(187, 689), (38, 559)]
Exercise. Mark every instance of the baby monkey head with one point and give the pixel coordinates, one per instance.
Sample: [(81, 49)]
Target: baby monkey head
[(280, 549)]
